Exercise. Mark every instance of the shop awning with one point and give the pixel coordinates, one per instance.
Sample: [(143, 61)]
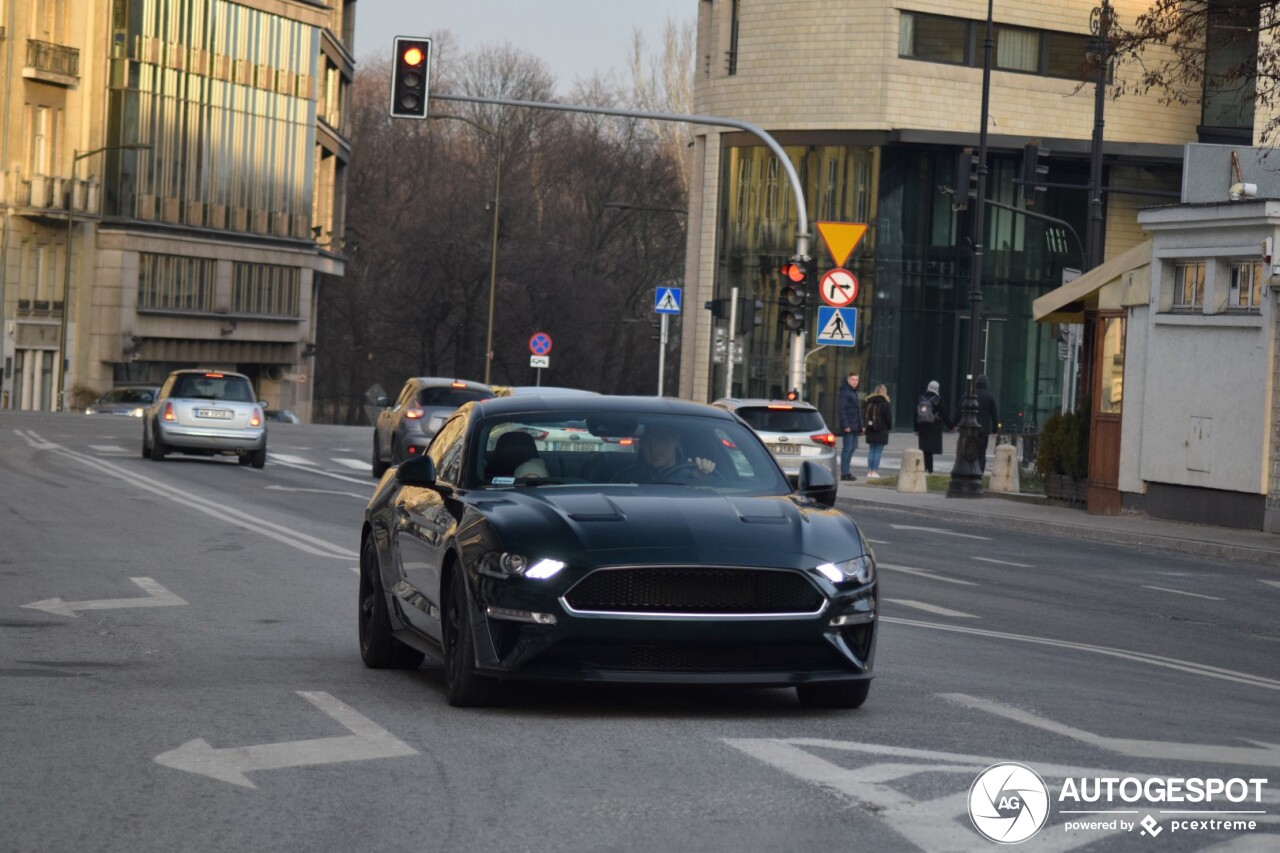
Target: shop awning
[(1120, 282)]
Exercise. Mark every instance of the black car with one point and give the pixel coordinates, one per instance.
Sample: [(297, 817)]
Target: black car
[(667, 549)]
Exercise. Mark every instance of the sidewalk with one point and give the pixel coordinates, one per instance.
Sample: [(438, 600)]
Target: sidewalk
[(1033, 514)]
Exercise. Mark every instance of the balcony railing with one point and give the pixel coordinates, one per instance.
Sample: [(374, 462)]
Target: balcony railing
[(52, 58)]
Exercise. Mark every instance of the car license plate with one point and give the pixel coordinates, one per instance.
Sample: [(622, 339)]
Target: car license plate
[(220, 414), (785, 449)]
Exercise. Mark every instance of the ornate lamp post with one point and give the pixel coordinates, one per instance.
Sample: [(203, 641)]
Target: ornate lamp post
[(966, 476)]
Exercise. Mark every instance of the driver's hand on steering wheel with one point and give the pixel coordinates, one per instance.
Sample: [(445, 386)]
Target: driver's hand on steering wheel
[(705, 466)]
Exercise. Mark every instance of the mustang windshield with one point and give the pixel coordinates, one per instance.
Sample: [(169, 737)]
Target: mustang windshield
[(621, 448)]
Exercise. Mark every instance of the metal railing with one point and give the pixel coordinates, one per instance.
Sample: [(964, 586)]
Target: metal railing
[(53, 58)]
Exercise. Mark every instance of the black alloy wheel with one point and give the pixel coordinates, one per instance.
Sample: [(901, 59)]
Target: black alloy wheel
[(378, 649), (463, 687), (840, 694)]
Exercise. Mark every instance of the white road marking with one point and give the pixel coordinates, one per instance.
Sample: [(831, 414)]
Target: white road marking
[(314, 471), (1139, 657), (367, 741), (1005, 563), (1180, 592), (941, 530), (924, 573), (355, 569), (878, 541), (156, 596), (354, 464), (289, 536), (108, 448), (1269, 583), (1262, 755), (291, 460), (931, 608)]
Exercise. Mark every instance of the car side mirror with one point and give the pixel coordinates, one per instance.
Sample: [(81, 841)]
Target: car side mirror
[(381, 401), (264, 404), (817, 483), (418, 471)]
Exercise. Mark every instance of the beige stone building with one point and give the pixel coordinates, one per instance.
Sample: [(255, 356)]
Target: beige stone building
[(874, 102), (172, 187)]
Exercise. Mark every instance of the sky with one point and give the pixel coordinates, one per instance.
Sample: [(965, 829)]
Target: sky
[(574, 37)]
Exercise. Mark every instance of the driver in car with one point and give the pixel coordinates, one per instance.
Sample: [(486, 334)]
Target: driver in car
[(660, 460)]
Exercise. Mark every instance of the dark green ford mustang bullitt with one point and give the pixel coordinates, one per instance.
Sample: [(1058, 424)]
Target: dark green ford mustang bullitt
[(626, 539)]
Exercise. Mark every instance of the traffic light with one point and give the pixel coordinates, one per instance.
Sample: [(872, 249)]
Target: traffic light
[(1034, 170), (716, 307), (409, 75), (795, 293), (966, 181), (749, 315)]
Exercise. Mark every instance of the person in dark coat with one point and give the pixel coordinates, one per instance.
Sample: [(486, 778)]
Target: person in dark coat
[(930, 434), (878, 422), (849, 423), (988, 418)]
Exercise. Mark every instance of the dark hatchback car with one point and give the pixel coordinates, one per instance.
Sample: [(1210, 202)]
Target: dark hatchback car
[(131, 400), (405, 427), (669, 549)]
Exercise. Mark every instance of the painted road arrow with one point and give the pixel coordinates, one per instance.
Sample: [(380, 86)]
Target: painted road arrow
[(157, 596), (367, 741)]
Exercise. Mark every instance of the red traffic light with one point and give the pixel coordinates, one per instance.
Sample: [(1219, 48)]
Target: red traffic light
[(413, 56), (793, 271)]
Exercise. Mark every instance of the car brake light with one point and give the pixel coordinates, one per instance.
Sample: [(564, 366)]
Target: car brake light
[(824, 438), (414, 414), (781, 406), (729, 444), (214, 375), (413, 450), (457, 385), (256, 418), (168, 412), (538, 434)]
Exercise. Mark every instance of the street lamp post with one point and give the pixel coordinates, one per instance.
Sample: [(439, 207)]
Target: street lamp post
[(966, 476), (76, 157), (493, 244)]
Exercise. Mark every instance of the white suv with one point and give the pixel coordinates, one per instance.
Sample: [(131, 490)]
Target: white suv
[(794, 432)]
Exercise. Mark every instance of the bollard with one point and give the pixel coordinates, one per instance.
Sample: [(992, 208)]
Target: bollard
[(1004, 471), (911, 477)]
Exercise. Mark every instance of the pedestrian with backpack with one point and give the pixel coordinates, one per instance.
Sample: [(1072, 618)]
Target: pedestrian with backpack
[(931, 418), (878, 421), (849, 422)]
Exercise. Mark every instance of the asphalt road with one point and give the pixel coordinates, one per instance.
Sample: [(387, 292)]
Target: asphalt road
[(190, 680)]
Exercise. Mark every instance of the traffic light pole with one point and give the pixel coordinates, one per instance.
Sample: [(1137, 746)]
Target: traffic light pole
[(797, 190), (732, 342)]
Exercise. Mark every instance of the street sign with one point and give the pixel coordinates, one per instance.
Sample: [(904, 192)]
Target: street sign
[(841, 238), (839, 287), (539, 361), (837, 327), (667, 300), (540, 343)]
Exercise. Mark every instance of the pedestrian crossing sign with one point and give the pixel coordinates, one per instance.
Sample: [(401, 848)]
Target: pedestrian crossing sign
[(837, 327), (666, 300)]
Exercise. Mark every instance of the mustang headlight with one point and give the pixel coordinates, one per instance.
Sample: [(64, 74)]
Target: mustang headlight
[(505, 564), (861, 569)]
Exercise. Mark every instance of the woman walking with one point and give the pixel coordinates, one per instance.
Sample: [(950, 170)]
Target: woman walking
[(931, 418), (878, 421)]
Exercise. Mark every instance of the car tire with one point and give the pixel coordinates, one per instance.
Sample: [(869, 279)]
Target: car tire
[(464, 688), (158, 449), (841, 694), (244, 458), (258, 458), (378, 649), (146, 446), (376, 465), (396, 457)]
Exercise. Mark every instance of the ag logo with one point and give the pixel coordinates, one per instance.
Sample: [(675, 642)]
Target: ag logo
[(1008, 803)]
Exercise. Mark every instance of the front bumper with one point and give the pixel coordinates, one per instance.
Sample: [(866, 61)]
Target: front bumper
[(672, 648)]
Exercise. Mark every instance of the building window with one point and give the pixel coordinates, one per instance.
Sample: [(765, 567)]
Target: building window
[(1188, 286), (957, 41), (934, 38), (1230, 63), (1246, 285), (265, 289), (175, 282)]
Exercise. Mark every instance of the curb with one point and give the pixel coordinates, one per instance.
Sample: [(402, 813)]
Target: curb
[(1076, 531)]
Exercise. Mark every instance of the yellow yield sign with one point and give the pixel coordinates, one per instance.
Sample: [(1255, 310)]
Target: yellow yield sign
[(841, 238)]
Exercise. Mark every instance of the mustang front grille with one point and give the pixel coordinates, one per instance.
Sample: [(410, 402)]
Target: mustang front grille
[(695, 590)]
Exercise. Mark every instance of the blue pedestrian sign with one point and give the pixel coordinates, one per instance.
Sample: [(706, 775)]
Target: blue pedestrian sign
[(837, 327), (666, 300)]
